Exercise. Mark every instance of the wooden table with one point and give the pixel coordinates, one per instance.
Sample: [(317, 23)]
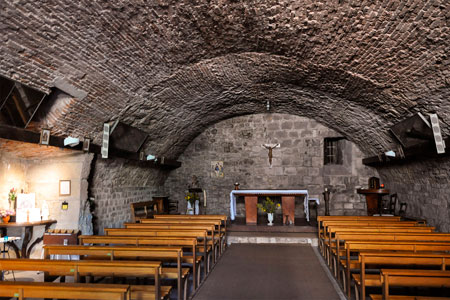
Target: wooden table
[(373, 199), (29, 226)]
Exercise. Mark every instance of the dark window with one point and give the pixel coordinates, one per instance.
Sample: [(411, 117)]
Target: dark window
[(332, 151)]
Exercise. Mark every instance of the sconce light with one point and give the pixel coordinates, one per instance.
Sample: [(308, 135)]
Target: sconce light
[(65, 205), (268, 105), (71, 141), (390, 153)]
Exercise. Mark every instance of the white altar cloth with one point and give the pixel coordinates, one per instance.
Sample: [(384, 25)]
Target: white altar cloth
[(236, 193)]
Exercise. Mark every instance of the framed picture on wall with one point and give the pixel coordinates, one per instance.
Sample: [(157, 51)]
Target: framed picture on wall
[(45, 137), (64, 187), (217, 169)]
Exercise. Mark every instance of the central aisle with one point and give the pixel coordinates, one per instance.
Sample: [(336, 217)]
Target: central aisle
[(275, 272)]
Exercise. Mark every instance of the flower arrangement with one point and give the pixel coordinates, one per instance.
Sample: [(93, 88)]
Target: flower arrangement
[(268, 206), (6, 212), (191, 198), (12, 196)]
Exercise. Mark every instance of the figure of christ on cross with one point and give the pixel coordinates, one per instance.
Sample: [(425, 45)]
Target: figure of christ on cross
[(270, 147)]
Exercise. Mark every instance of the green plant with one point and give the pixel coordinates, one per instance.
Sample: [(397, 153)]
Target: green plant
[(191, 198), (268, 206)]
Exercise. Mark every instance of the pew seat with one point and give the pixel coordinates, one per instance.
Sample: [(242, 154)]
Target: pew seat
[(23, 290)]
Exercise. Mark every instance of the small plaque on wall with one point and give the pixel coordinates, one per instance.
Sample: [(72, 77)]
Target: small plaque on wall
[(64, 187)]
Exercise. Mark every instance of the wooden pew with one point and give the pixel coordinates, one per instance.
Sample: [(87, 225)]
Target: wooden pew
[(404, 246), (386, 236), (23, 290), (199, 234), (183, 226), (381, 223), (370, 230), (321, 219), (141, 210), (378, 259), (217, 222), (153, 241), (326, 224), (77, 268), (412, 278), (112, 253)]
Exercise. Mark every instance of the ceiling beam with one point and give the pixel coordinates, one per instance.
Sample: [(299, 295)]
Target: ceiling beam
[(415, 153), (27, 136)]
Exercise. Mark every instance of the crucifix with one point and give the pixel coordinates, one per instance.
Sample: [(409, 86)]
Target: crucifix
[(270, 147)]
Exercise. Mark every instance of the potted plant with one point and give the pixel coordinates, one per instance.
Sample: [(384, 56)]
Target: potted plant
[(269, 207), (6, 214), (191, 198)]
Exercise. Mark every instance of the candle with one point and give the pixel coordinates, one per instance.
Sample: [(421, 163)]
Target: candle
[(204, 198)]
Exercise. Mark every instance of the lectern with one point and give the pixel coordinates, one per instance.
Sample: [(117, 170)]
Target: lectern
[(373, 199)]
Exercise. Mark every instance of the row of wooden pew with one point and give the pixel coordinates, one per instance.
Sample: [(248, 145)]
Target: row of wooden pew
[(155, 251), (385, 252)]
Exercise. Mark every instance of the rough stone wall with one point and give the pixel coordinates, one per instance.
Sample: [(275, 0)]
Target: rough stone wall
[(117, 183), (423, 185), (297, 164)]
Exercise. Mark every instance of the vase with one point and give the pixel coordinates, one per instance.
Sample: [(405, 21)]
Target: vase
[(190, 209), (270, 219), (6, 219), (197, 207)]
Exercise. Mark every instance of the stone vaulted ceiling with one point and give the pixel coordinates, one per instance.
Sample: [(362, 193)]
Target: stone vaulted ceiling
[(172, 68)]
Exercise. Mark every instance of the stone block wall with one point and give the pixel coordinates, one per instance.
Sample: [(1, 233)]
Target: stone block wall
[(423, 185), (297, 164), (118, 183)]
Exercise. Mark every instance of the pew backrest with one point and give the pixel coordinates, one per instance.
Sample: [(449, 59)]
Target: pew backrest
[(22, 290)]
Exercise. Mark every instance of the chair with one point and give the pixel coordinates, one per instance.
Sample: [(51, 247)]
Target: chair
[(389, 208), (173, 207), (312, 204), (402, 210)]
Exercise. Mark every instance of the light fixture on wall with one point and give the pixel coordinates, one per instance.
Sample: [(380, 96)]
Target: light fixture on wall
[(71, 141), (86, 144), (65, 205), (390, 153), (268, 105)]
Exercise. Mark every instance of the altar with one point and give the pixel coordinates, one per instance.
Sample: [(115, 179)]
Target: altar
[(287, 203)]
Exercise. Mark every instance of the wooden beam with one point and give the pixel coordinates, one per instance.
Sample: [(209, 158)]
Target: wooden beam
[(420, 152), (27, 136)]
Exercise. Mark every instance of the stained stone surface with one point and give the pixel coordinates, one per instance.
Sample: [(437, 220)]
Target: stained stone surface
[(297, 164), (176, 68)]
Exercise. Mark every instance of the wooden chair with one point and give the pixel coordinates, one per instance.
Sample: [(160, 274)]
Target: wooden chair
[(402, 209), (390, 207)]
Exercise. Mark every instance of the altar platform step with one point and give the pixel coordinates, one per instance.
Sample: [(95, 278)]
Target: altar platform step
[(272, 238), (300, 225)]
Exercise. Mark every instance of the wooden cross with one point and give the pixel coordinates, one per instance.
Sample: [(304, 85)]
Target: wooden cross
[(270, 147)]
